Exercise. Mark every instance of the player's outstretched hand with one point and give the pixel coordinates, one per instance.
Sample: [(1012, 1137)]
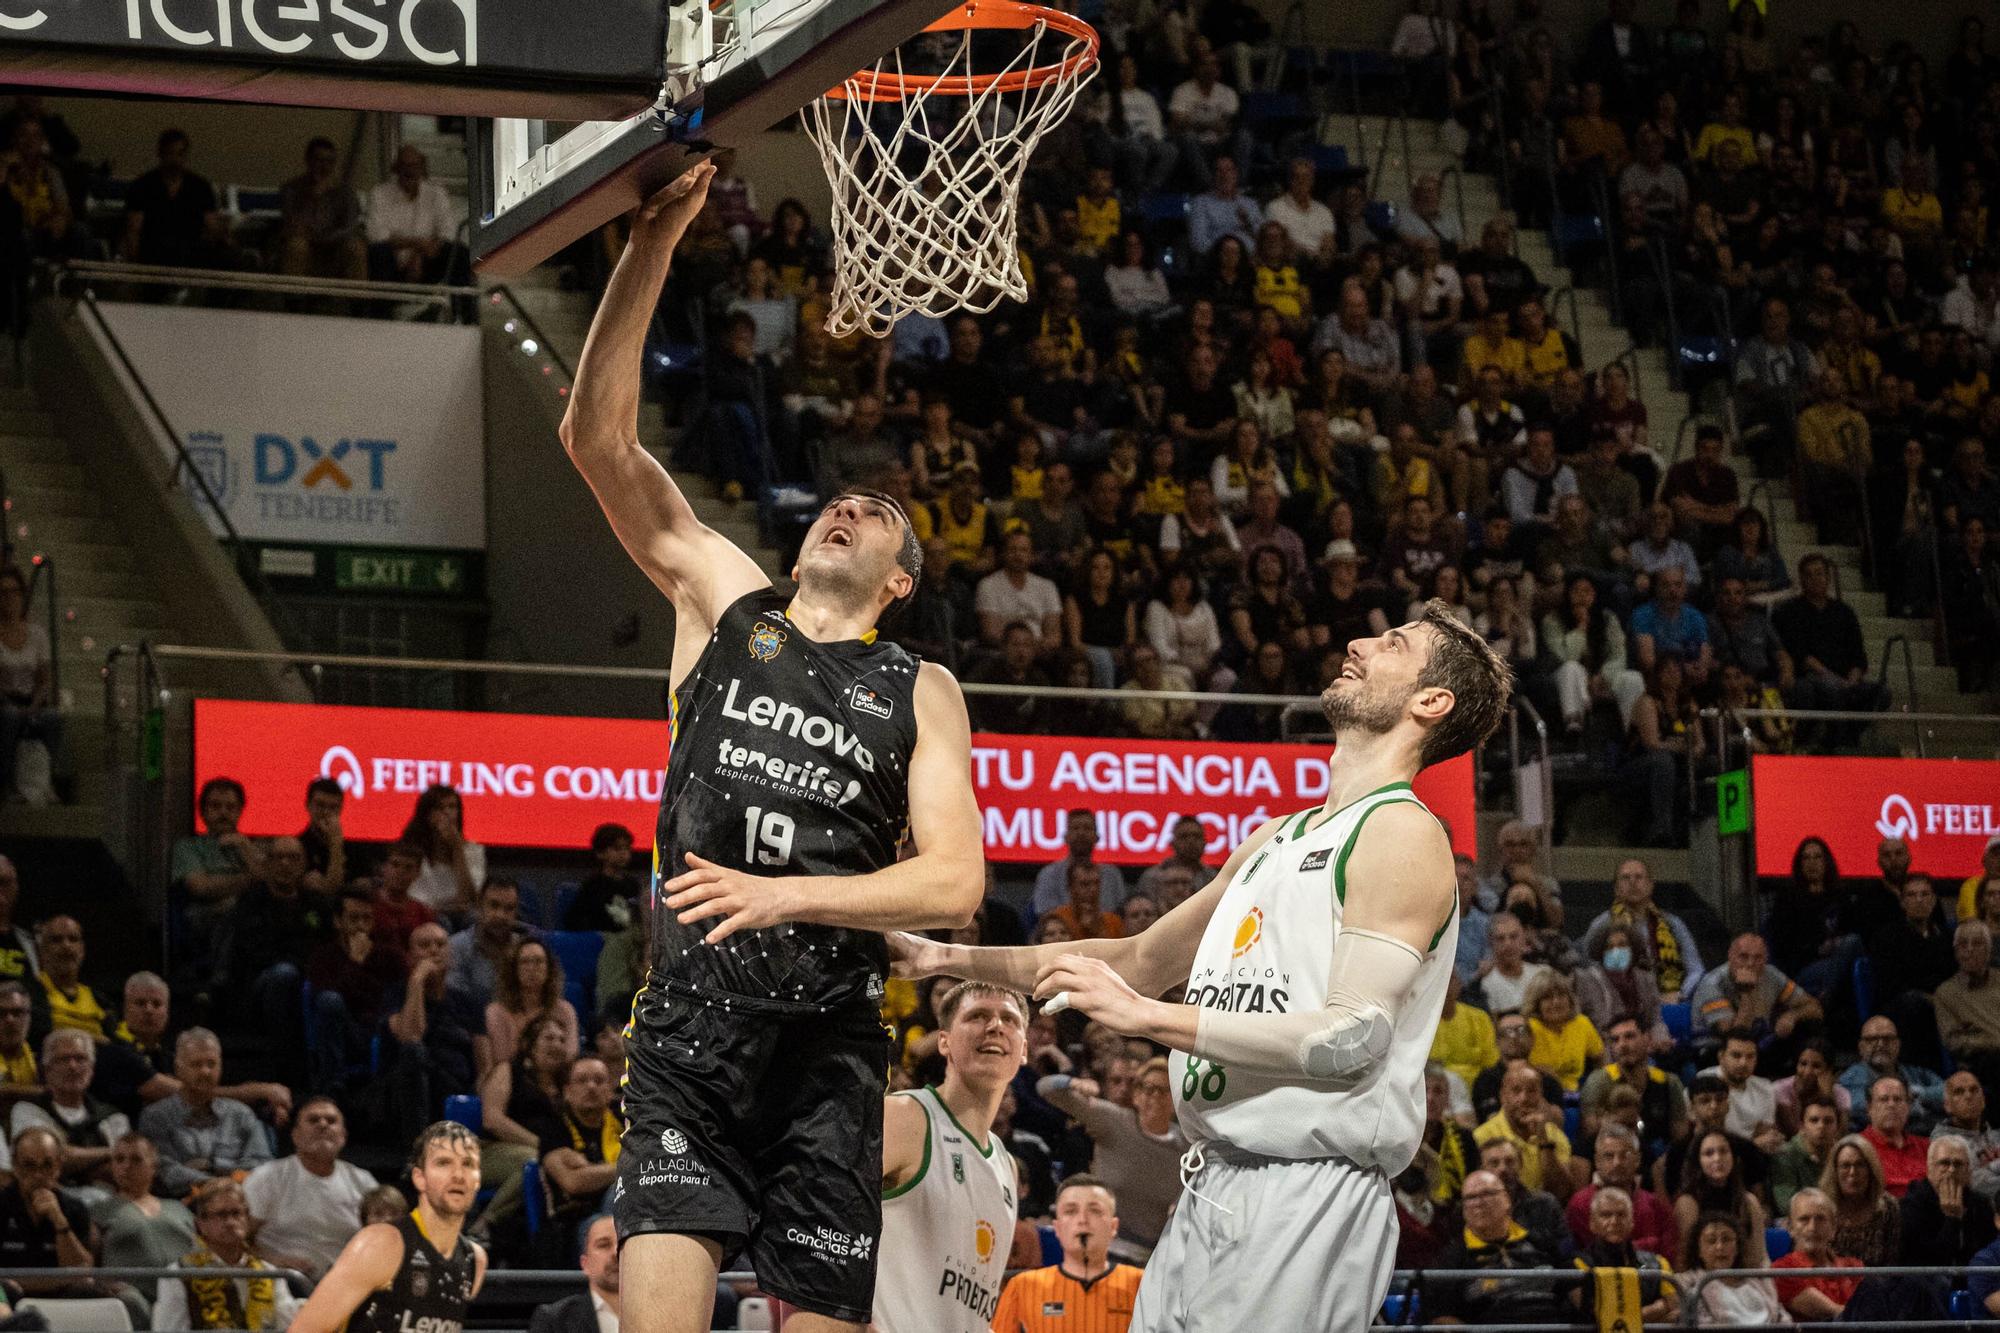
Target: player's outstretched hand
[(744, 902), (913, 956), (1094, 989), (667, 214)]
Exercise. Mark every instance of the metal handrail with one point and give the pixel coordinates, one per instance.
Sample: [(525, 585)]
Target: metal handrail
[(501, 291), (187, 652), (46, 565), (1546, 830), (1691, 1301), (154, 275), (87, 301), (1889, 645), (1600, 191), (1629, 358), (1456, 175), (1940, 616)]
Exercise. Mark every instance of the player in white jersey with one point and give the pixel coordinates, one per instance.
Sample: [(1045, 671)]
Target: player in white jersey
[(1315, 967), (948, 1205)]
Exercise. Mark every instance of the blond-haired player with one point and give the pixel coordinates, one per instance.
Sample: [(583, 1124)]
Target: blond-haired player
[(948, 1203), (1315, 967)]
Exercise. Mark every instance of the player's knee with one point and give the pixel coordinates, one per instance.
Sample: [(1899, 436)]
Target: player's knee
[(668, 1283)]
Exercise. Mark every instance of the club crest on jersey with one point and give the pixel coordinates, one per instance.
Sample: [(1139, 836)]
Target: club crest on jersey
[(864, 700), (1316, 860), (958, 1168), (766, 641), (1248, 931), (420, 1282)]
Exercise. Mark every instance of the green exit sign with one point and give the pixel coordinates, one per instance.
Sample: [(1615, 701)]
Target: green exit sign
[(400, 572)]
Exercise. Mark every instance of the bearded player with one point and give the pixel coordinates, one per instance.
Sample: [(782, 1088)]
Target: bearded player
[(804, 750), (418, 1271), (1315, 965)]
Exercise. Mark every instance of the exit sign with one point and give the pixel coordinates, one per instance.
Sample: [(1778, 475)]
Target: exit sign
[(401, 572)]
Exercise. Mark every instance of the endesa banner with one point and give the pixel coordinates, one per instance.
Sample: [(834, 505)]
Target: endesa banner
[(1946, 809), (534, 781)]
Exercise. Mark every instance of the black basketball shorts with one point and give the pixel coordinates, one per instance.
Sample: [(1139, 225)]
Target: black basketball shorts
[(759, 1125)]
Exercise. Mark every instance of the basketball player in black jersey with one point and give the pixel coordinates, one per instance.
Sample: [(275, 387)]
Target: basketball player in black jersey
[(804, 753), (418, 1273)]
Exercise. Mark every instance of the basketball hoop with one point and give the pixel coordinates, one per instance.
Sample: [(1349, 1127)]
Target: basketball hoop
[(926, 163)]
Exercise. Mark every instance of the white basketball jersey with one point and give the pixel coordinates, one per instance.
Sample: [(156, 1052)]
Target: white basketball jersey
[(946, 1233), (1268, 949)]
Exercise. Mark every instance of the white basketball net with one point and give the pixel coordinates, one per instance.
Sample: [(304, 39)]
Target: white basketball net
[(925, 190)]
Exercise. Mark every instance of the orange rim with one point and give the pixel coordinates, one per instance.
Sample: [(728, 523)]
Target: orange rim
[(870, 85)]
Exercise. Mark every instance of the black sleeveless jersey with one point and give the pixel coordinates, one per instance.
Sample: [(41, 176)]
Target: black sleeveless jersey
[(790, 757), (430, 1291)]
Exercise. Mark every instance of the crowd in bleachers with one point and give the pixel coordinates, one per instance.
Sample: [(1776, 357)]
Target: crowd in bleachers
[(57, 205), (1322, 408)]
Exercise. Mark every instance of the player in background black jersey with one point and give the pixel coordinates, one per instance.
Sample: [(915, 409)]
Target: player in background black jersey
[(803, 751), (418, 1272)]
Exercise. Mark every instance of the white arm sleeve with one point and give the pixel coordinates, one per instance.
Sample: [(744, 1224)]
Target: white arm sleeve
[(1370, 980)]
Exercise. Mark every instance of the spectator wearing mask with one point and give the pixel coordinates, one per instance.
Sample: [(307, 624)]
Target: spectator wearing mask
[(304, 1208), (1669, 946)]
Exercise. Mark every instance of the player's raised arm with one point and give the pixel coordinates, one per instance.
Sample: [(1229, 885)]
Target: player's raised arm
[(1404, 890), (1150, 963), (698, 569), (368, 1264)]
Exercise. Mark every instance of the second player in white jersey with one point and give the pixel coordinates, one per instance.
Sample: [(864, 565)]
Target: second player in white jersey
[(946, 1233), (948, 1183), (1269, 949)]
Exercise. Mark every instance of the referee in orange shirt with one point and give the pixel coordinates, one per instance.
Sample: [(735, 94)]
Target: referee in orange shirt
[(1088, 1292)]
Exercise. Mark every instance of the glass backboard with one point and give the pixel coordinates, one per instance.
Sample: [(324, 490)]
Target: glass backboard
[(733, 69)]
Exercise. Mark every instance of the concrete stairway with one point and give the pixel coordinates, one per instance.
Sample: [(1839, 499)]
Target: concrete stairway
[(104, 596), (1936, 687)]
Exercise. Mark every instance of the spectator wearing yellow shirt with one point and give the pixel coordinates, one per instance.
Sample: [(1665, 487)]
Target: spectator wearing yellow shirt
[(1989, 868), (1860, 370), (1275, 278), (1098, 215), (1566, 1044), (18, 1070), (1464, 1044), (964, 522), (1533, 1127), (59, 941), (1912, 209), (1546, 351), (1728, 129), (1494, 346)]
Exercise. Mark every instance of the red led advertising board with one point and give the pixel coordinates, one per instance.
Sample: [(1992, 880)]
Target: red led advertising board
[(536, 781), (1946, 809)]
